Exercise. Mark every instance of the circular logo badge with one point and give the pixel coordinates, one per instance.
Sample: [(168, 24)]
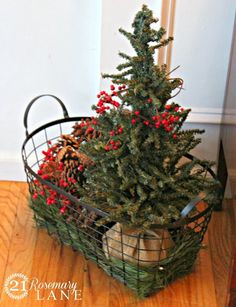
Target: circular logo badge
[(15, 286)]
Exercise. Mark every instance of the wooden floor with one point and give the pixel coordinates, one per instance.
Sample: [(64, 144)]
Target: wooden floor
[(24, 249)]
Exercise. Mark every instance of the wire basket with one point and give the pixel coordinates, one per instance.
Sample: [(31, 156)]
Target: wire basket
[(144, 261)]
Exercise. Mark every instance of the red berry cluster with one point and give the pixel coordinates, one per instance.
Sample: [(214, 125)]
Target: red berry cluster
[(113, 142), (105, 98), (50, 170), (166, 120), (87, 124), (49, 155), (51, 196)]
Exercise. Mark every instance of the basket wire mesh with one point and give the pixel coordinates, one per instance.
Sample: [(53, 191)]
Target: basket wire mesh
[(107, 245)]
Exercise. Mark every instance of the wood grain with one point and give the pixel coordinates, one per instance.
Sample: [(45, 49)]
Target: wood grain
[(8, 208), (232, 282), (25, 249), (23, 238), (221, 234)]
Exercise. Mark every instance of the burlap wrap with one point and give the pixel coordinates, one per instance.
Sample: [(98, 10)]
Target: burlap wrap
[(144, 246)]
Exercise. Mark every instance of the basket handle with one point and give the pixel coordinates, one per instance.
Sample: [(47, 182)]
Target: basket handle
[(193, 202), (65, 112)]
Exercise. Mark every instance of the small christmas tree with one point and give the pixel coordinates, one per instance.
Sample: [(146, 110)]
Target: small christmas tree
[(138, 175)]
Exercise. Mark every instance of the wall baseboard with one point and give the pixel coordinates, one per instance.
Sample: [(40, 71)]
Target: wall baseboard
[(212, 116)]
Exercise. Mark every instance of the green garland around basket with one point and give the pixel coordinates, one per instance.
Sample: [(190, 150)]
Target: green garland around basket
[(143, 280)]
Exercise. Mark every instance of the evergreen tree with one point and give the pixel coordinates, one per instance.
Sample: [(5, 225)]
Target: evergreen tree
[(139, 176)]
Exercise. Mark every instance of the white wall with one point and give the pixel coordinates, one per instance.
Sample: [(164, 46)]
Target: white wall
[(45, 47), (202, 41), (203, 34), (61, 47)]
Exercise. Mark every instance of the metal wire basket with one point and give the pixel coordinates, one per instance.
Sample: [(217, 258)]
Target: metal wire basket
[(144, 261)]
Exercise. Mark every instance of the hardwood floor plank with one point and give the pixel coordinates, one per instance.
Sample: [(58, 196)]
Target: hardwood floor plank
[(14, 232), (6, 228), (232, 279), (96, 286), (41, 260), (120, 295), (221, 234), (22, 242)]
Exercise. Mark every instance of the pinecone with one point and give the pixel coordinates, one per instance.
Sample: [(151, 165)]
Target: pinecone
[(70, 159), (66, 163), (68, 140), (78, 131), (84, 159), (84, 133), (70, 169)]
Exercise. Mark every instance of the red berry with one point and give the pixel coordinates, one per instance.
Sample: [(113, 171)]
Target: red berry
[(120, 130), (116, 104), (168, 107), (112, 133), (35, 195), (133, 121), (146, 122), (149, 100), (90, 129), (112, 87), (174, 136), (81, 168), (176, 109), (63, 209), (182, 109), (123, 86), (137, 112), (115, 147), (119, 88), (108, 99), (107, 148), (157, 124), (98, 95)]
